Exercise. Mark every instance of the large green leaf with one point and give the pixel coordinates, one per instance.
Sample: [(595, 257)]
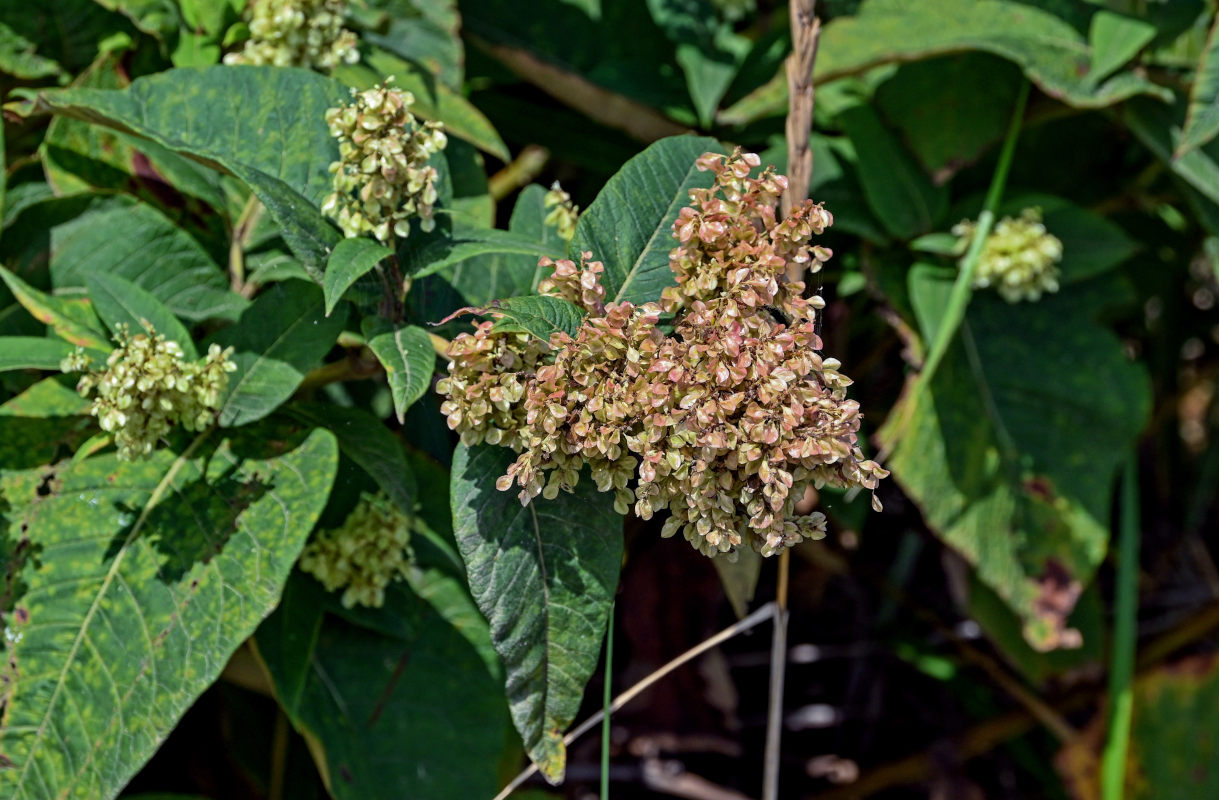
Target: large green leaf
[(1011, 452), (403, 708), (1202, 116), (629, 226), (265, 125), (544, 576), (1052, 53), (279, 338), (406, 353), (903, 198), (146, 578), (87, 235)]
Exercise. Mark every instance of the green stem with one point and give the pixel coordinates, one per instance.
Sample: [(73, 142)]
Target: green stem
[(962, 290), (606, 701), (1125, 630)]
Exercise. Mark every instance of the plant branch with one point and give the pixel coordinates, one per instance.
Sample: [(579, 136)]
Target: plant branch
[(242, 229), (518, 174), (752, 621)]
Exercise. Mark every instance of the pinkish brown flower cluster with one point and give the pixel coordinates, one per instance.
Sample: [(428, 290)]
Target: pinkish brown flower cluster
[(725, 422)]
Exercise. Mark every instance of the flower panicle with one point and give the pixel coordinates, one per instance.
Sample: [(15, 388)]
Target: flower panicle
[(1019, 258), (382, 179), (363, 556), (147, 386), (725, 421), (297, 33)]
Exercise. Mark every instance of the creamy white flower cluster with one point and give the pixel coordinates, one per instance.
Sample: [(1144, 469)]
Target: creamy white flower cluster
[(148, 386), (371, 549), (1019, 259), (382, 178), (297, 33), (563, 212)]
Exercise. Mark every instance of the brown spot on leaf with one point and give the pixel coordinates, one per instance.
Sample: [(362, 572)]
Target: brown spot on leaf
[(1057, 593), (6, 762), (346, 773), (22, 615), (1040, 488)]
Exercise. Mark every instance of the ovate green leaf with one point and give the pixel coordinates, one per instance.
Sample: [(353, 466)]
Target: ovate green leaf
[(351, 259), (537, 316), (408, 357), (544, 576), (1012, 450), (629, 226)]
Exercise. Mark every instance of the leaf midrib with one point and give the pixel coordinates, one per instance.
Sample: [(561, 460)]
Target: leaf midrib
[(676, 202), (111, 574)]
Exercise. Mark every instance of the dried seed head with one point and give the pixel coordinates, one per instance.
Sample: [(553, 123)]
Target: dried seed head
[(725, 422)]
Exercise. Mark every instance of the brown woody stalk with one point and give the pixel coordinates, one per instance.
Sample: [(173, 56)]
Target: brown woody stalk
[(805, 32)]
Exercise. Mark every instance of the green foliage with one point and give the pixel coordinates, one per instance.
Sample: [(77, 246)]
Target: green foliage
[(148, 185), (544, 576), (148, 576), (405, 351), (537, 316), (1012, 470)]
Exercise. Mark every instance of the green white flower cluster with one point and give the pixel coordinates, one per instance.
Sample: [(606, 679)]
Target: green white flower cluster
[(563, 212), (733, 10), (371, 549), (147, 387), (382, 179), (1020, 258), (297, 33), (724, 423)]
